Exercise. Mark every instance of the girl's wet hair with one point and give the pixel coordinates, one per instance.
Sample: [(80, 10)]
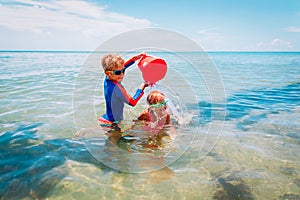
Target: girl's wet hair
[(155, 97)]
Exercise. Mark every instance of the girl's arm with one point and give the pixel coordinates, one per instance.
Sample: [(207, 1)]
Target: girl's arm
[(143, 115)]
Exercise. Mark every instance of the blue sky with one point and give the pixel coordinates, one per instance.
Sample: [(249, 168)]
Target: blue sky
[(217, 25)]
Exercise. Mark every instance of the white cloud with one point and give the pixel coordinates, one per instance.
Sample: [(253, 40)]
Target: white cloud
[(75, 17), (211, 39), (211, 35), (274, 45), (292, 29)]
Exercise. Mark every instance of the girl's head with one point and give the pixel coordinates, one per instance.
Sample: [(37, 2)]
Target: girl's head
[(156, 98), (113, 66)]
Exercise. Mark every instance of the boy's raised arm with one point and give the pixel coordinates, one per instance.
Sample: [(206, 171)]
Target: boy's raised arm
[(132, 60)]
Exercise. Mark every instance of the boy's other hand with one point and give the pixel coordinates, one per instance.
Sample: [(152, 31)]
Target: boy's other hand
[(144, 85)]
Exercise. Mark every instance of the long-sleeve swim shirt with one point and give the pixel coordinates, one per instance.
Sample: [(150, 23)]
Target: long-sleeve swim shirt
[(115, 97)]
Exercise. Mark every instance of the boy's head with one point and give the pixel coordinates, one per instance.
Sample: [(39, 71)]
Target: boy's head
[(111, 62), (156, 98), (113, 66)]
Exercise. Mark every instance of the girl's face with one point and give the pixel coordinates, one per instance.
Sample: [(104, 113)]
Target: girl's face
[(117, 74)]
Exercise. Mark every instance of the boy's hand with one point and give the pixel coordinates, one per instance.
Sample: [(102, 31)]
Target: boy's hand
[(144, 85), (135, 58)]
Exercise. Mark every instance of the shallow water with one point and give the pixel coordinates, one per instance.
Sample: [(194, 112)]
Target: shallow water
[(256, 156)]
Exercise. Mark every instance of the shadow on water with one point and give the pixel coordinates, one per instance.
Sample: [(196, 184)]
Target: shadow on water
[(232, 187), (28, 165), (239, 105)]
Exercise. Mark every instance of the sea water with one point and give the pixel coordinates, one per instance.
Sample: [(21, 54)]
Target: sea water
[(245, 146)]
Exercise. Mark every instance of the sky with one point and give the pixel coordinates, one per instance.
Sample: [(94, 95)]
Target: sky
[(216, 25)]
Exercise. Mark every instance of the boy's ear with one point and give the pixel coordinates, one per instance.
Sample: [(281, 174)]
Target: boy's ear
[(106, 73)]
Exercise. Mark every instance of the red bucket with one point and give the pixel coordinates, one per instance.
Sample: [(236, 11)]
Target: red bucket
[(153, 69)]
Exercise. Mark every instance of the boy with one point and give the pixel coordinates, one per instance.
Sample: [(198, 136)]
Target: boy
[(115, 94)]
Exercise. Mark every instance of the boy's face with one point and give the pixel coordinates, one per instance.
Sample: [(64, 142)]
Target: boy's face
[(117, 78)]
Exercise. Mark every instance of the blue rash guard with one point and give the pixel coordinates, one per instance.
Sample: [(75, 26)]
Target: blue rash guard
[(116, 96)]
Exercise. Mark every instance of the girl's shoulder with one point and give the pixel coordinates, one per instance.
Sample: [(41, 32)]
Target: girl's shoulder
[(144, 115)]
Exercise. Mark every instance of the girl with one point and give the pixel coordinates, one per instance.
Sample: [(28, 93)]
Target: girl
[(156, 115)]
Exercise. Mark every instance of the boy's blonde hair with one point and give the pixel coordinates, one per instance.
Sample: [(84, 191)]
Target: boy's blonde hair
[(155, 97), (111, 61)]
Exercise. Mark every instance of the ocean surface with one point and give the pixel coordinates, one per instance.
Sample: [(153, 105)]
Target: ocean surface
[(236, 132)]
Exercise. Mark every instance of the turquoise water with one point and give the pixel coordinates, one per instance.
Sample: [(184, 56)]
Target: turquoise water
[(256, 155)]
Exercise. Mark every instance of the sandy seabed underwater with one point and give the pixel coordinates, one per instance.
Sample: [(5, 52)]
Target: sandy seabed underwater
[(256, 156)]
